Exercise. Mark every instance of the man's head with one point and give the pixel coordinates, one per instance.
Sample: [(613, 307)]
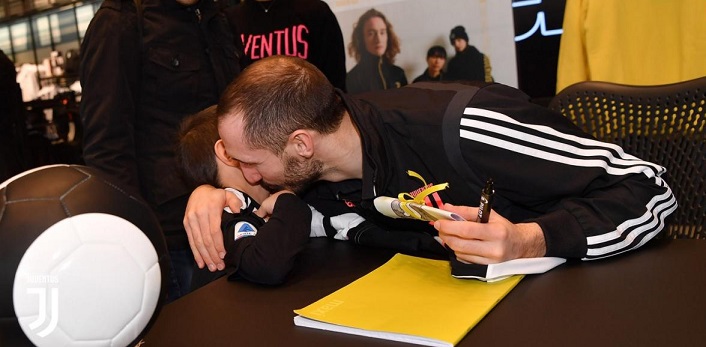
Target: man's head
[(268, 115), (436, 58), (459, 38), (201, 156), (374, 34)]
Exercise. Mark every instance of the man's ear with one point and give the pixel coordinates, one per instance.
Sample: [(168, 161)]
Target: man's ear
[(221, 154), (302, 142)]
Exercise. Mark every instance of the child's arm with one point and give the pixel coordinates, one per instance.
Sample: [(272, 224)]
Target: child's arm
[(267, 206), (268, 255)]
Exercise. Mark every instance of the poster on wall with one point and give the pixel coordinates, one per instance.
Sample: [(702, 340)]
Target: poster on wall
[(422, 24)]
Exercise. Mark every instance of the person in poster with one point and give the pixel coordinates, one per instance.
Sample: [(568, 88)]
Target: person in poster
[(436, 59), (374, 45), (469, 64)]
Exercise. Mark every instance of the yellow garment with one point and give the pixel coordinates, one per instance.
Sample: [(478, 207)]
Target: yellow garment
[(638, 42)]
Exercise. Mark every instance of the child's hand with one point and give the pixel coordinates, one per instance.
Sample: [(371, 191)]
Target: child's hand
[(268, 205)]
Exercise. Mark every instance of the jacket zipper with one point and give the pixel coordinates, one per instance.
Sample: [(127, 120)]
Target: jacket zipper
[(382, 78)]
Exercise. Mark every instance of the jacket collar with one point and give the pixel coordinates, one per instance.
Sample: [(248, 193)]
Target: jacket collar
[(368, 120)]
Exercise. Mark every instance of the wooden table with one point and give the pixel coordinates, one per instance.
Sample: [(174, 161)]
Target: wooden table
[(655, 296)]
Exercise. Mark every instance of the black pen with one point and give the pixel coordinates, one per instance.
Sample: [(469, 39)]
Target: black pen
[(486, 201)]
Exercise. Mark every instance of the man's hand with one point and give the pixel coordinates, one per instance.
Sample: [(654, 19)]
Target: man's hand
[(493, 242), (202, 221)]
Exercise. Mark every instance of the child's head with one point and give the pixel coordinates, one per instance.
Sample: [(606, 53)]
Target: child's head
[(195, 154), (198, 159)]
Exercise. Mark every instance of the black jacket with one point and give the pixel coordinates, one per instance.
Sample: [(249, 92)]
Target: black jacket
[(137, 90), (374, 73), (12, 122), (591, 199), (469, 65), (424, 77)]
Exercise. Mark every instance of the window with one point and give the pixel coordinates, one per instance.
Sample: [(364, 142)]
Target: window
[(33, 37), (42, 35), (84, 14), (5, 42), (20, 34)]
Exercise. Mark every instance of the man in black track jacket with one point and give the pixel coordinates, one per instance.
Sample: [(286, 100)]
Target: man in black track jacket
[(559, 192)]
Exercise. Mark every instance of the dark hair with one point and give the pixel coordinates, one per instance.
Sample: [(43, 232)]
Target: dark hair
[(276, 96), (195, 155), (436, 51), (458, 32), (357, 45)]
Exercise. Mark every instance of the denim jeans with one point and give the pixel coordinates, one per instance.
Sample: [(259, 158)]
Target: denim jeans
[(182, 269)]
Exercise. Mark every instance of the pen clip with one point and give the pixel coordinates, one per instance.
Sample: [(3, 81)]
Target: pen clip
[(486, 201)]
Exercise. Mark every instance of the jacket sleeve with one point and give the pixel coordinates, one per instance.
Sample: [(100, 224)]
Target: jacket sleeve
[(353, 227), (109, 73), (409, 241), (591, 199), (268, 257)]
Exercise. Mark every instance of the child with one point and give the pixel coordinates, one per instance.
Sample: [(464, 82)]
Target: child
[(267, 258)]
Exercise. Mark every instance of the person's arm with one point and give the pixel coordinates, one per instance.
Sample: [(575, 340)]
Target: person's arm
[(335, 227), (269, 256), (591, 200), (354, 228), (370, 234), (110, 63), (496, 241), (488, 69), (202, 221), (403, 78)]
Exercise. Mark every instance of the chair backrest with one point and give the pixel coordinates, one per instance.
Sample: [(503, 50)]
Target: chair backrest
[(664, 124)]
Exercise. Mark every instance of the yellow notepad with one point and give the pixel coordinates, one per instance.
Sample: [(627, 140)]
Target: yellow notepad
[(408, 299)]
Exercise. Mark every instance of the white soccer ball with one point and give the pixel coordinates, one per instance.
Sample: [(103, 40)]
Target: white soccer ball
[(88, 259)]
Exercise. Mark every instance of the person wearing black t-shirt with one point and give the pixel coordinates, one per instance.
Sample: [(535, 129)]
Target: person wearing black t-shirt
[(307, 29)]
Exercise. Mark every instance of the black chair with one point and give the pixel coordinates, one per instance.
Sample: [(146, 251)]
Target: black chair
[(664, 124)]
